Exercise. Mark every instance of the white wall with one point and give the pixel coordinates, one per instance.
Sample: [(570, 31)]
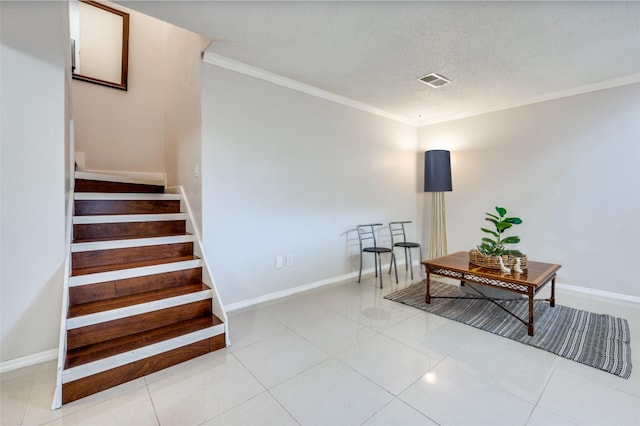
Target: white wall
[(182, 113), (570, 168), (125, 130), (287, 173), (32, 171)]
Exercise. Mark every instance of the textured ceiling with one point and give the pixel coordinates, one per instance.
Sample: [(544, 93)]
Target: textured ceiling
[(497, 54)]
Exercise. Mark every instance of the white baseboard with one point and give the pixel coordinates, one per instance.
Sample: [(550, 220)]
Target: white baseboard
[(599, 293), (288, 292), (26, 361), (300, 289)]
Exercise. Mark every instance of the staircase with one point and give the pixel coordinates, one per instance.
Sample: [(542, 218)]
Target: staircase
[(137, 302)]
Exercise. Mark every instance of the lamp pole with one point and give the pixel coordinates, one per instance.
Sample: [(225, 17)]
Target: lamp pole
[(437, 180), (438, 234)]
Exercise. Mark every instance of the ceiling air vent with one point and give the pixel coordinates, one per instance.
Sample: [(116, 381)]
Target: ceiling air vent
[(434, 80)]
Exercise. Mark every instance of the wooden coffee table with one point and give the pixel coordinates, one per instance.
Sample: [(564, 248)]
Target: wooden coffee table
[(528, 283)]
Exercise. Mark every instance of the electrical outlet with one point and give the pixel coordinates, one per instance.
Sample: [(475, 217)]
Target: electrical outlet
[(288, 260), (279, 263)]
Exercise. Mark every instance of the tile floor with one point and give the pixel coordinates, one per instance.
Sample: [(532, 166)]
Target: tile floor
[(344, 355)]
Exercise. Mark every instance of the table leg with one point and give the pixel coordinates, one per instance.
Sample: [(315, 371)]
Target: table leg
[(427, 297), (552, 302), (530, 325)]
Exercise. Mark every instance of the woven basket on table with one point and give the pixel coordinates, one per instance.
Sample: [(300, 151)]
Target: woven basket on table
[(493, 262)]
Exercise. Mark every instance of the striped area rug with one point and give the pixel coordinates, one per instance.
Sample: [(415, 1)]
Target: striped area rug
[(597, 340)]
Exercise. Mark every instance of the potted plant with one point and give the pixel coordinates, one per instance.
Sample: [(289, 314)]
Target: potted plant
[(493, 248)]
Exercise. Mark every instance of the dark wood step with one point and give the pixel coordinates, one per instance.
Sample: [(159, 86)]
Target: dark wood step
[(88, 185), (95, 352), (129, 265), (97, 258), (83, 387), (129, 286), (97, 207), (108, 238), (134, 299), (114, 231), (108, 330)]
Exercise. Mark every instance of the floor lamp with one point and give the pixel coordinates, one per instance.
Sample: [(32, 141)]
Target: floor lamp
[(437, 180)]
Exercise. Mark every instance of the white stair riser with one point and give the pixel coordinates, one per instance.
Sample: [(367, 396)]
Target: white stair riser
[(119, 360), (126, 218), (143, 308), (133, 272), (119, 178), (129, 243)]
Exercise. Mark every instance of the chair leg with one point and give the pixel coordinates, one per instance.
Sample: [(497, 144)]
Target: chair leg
[(395, 265), (393, 253), (379, 258), (421, 259), (410, 263), (360, 273), (406, 267), (375, 263)]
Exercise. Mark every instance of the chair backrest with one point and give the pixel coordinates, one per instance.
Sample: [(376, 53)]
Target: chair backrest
[(367, 232), (396, 229)]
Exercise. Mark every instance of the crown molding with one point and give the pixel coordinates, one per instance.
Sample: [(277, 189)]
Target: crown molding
[(240, 67), (580, 90), (232, 65)]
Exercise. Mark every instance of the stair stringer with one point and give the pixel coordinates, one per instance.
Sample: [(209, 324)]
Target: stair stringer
[(62, 343), (207, 277)]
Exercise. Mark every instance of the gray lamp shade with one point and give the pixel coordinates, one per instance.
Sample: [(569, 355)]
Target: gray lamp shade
[(437, 171)]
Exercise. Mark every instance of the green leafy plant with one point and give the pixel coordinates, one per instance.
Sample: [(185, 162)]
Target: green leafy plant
[(496, 246)]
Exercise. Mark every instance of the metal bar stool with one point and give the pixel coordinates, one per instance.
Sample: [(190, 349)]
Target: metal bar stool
[(399, 239), (367, 235)]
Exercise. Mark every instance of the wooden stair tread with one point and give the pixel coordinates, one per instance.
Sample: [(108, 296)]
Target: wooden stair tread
[(90, 185), (117, 230), (122, 207), (134, 299), (129, 265), (129, 286), (135, 253), (126, 196), (90, 353)]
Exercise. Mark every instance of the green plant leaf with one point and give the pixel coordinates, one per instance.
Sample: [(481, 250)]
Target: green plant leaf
[(482, 250), (495, 247), (502, 226), (511, 240), (488, 231), (489, 241), (514, 220), (516, 253), (488, 250)]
